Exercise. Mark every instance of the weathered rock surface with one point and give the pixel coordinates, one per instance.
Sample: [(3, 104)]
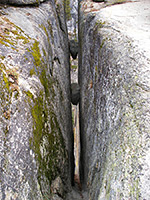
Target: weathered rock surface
[(57, 188), (36, 140), (114, 78), (72, 20)]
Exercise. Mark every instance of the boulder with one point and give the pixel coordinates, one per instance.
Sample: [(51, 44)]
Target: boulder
[(114, 75), (75, 93), (36, 140), (73, 46)]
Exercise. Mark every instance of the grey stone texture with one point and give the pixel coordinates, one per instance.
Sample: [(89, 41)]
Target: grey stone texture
[(114, 78), (57, 187), (72, 22), (22, 2), (36, 140)]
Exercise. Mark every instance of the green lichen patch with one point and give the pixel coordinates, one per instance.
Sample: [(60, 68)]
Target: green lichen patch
[(29, 94), (35, 51), (67, 9), (47, 141), (5, 79), (2, 57), (32, 72), (74, 67), (50, 29), (13, 73), (6, 93), (11, 35), (6, 74), (44, 52), (48, 84), (44, 28), (10, 79), (100, 24), (42, 70)]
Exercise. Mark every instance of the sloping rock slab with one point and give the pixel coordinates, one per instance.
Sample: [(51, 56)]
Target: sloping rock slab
[(35, 122), (114, 77)]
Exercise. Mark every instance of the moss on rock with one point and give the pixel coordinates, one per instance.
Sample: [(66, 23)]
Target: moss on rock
[(47, 141)]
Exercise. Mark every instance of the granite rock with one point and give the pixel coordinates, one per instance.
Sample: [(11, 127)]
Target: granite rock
[(36, 140), (114, 78)]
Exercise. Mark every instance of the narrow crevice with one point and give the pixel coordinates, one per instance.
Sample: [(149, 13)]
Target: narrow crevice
[(75, 116), (72, 13), (75, 93), (82, 144)]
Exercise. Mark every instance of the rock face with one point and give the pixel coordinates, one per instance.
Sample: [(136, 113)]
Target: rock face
[(36, 140), (72, 19), (114, 78)]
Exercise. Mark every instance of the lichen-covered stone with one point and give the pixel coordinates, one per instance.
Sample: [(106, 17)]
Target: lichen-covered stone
[(36, 140), (114, 76), (72, 20), (22, 2)]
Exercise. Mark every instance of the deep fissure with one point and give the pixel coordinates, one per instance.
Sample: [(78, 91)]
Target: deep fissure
[(72, 25), (75, 90), (76, 147)]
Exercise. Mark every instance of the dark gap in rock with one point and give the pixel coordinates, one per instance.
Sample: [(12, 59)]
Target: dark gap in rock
[(72, 26)]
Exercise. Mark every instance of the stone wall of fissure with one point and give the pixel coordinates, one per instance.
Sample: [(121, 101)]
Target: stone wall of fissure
[(36, 140), (114, 78)]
